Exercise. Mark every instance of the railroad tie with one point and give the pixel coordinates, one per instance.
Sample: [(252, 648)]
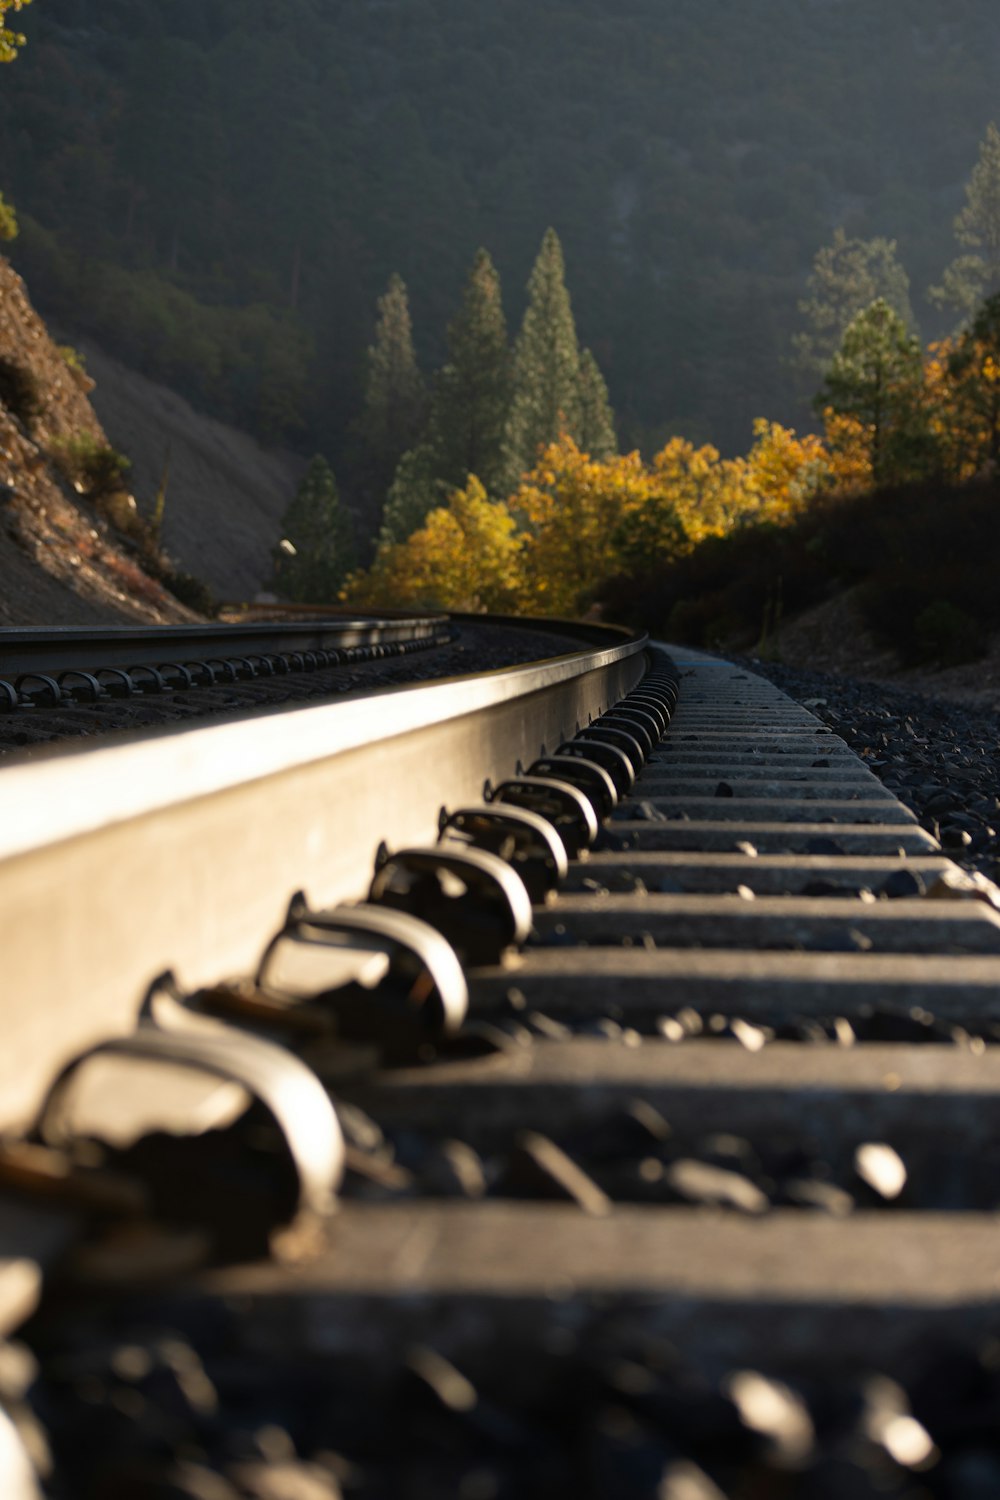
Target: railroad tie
[(764, 1062), (719, 1111)]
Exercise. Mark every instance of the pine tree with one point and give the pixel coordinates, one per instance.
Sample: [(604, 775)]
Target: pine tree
[(972, 278), (473, 390), (465, 429), (545, 398), (848, 275), (316, 552), (395, 394), (415, 491), (876, 378), (597, 420)]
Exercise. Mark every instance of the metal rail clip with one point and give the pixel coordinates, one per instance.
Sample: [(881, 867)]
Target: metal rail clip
[(525, 839), (592, 779), (568, 809), (633, 738), (612, 758), (383, 976), (225, 1133), (472, 896)]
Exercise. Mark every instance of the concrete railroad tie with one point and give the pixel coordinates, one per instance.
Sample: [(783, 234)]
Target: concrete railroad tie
[(739, 879)]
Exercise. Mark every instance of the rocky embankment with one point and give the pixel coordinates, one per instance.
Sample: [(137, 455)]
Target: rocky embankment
[(940, 757), (61, 562)]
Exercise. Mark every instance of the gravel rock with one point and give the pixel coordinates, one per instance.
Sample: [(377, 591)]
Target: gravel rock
[(941, 758)]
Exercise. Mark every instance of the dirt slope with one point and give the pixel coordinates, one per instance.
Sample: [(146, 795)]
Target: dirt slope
[(226, 494), (834, 637), (60, 563)]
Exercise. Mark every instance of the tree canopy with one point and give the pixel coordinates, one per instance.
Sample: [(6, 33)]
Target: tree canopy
[(976, 275), (10, 40), (220, 199)]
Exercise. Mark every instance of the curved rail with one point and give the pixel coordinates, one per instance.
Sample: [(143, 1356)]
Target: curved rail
[(686, 1104), (181, 850)]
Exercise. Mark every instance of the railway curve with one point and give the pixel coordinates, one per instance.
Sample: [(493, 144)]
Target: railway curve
[(662, 1048)]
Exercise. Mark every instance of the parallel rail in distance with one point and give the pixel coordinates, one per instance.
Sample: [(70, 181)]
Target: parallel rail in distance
[(26, 649), (182, 849)]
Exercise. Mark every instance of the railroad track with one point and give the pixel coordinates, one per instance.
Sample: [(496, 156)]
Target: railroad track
[(43, 668), (667, 1169)]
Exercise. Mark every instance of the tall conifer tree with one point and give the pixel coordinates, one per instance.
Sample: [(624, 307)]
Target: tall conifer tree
[(971, 278), (876, 377), (465, 429), (597, 420), (321, 551), (473, 389), (848, 275), (545, 396), (395, 394)]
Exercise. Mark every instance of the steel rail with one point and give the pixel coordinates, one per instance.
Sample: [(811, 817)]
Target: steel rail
[(647, 1032), (183, 849)]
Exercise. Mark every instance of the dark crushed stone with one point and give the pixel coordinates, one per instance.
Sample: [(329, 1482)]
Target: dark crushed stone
[(611, 1412), (941, 758)]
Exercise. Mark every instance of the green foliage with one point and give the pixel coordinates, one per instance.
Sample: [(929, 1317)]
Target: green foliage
[(8, 220), (312, 568), (924, 558), (472, 391), (945, 633), (248, 364), (95, 468), (971, 277), (545, 397), (469, 403), (73, 358), (395, 394), (408, 134), (20, 392), (974, 370), (848, 275), (597, 420), (191, 591), (876, 378), (413, 494)]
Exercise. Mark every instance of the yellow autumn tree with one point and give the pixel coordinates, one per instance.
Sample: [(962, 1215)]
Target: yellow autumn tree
[(571, 507), (783, 472), (10, 40), (849, 452), (466, 556), (708, 492), (962, 379)]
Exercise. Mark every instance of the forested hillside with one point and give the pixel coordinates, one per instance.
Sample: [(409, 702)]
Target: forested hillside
[(220, 191)]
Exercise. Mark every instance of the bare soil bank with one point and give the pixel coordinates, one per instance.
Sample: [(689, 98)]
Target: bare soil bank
[(60, 563), (833, 637), (226, 495)]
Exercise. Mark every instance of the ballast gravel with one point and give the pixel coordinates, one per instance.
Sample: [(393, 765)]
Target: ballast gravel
[(940, 758)]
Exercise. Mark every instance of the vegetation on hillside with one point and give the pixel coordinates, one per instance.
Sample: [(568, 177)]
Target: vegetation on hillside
[(221, 199)]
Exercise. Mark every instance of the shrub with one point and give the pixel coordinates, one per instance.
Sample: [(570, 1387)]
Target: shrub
[(20, 392), (190, 591), (94, 468), (947, 634)]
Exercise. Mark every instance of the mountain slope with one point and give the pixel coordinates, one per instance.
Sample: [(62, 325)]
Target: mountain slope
[(219, 192), (60, 561), (225, 494)]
